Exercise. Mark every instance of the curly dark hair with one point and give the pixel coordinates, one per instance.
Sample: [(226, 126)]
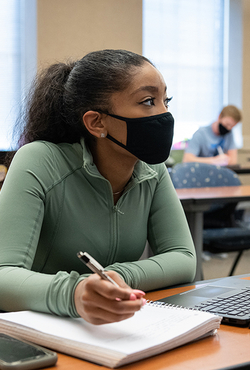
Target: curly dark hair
[(62, 93)]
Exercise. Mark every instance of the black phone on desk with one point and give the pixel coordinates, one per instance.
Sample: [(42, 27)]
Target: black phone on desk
[(18, 354)]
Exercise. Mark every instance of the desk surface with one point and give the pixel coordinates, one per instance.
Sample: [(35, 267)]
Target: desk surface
[(210, 194), (228, 347), (240, 169)]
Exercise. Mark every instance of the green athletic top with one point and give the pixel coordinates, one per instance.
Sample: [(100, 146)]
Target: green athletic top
[(54, 203)]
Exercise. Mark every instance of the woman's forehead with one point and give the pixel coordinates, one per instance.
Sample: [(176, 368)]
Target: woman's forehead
[(146, 78)]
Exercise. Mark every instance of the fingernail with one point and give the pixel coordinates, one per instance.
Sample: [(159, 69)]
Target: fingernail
[(139, 291), (144, 301), (132, 297)]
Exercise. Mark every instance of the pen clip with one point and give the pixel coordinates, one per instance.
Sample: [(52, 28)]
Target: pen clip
[(89, 260), (94, 266)]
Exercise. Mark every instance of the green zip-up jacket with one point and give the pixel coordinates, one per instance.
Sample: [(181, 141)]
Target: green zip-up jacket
[(54, 203)]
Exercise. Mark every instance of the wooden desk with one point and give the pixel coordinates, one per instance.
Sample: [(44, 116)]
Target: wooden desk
[(196, 201), (228, 347), (240, 169)]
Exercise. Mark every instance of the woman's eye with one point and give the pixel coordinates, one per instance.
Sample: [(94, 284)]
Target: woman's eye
[(167, 100), (148, 102)]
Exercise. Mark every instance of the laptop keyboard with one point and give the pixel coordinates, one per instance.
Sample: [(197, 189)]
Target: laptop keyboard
[(236, 305)]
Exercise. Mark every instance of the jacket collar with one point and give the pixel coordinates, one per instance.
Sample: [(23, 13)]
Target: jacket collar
[(142, 171)]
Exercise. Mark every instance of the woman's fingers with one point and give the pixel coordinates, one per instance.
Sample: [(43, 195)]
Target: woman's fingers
[(99, 301), (113, 292), (111, 310), (100, 317)]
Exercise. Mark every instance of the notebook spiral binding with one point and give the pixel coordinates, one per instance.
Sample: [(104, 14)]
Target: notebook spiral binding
[(164, 305)]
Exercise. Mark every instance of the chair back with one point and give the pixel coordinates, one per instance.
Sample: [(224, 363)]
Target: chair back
[(200, 175), (3, 171)]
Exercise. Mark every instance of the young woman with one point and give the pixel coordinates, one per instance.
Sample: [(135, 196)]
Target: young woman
[(88, 178)]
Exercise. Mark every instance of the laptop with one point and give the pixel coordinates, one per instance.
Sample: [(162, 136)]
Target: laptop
[(226, 297), (242, 366)]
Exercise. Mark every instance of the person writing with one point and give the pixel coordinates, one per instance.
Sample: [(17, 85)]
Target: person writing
[(214, 144), (89, 176)]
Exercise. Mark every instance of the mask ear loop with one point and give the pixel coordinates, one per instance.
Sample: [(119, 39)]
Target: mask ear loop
[(116, 141), (111, 137), (118, 117)]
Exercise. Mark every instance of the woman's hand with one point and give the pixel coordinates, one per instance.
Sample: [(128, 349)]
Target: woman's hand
[(100, 302)]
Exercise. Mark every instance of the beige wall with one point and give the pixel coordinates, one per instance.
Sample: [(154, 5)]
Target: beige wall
[(72, 28)]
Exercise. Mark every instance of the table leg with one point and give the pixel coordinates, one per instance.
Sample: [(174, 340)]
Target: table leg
[(195, 222)]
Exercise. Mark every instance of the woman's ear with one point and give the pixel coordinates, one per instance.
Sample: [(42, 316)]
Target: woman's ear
[(93, 122)]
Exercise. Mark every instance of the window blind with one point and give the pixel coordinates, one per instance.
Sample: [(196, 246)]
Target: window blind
[(10, 67), (17, 61)]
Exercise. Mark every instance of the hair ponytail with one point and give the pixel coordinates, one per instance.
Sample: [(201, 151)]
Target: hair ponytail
[(62, 93), (44, 115)]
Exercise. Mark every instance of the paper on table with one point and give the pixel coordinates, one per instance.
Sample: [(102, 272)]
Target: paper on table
[(145, 329)]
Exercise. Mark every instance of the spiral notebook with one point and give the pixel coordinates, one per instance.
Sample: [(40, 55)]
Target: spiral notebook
[(156, 328)]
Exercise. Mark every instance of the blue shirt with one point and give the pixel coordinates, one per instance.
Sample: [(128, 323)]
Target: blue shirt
[(205, 142)]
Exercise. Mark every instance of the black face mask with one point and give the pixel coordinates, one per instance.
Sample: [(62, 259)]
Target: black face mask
[(148, 138), (223, 130)]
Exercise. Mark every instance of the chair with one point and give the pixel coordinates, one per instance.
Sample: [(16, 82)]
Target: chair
[(222, 232)]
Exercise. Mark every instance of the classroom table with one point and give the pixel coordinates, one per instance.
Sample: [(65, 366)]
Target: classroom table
[(196, 201), (240, 169), (230, 346)]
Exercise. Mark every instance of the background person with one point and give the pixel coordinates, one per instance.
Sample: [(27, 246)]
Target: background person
[(215, 144), (81, 182)]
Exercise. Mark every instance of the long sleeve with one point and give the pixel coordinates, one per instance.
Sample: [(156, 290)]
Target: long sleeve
[(23, 203)]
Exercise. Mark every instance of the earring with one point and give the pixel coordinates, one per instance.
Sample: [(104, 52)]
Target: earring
[(102, 135)]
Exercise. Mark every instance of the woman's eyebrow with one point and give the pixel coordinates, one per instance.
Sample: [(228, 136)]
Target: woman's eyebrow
[(151, 89)]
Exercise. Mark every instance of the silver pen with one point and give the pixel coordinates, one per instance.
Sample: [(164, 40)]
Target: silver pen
[(95, 266), (220, 151)]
